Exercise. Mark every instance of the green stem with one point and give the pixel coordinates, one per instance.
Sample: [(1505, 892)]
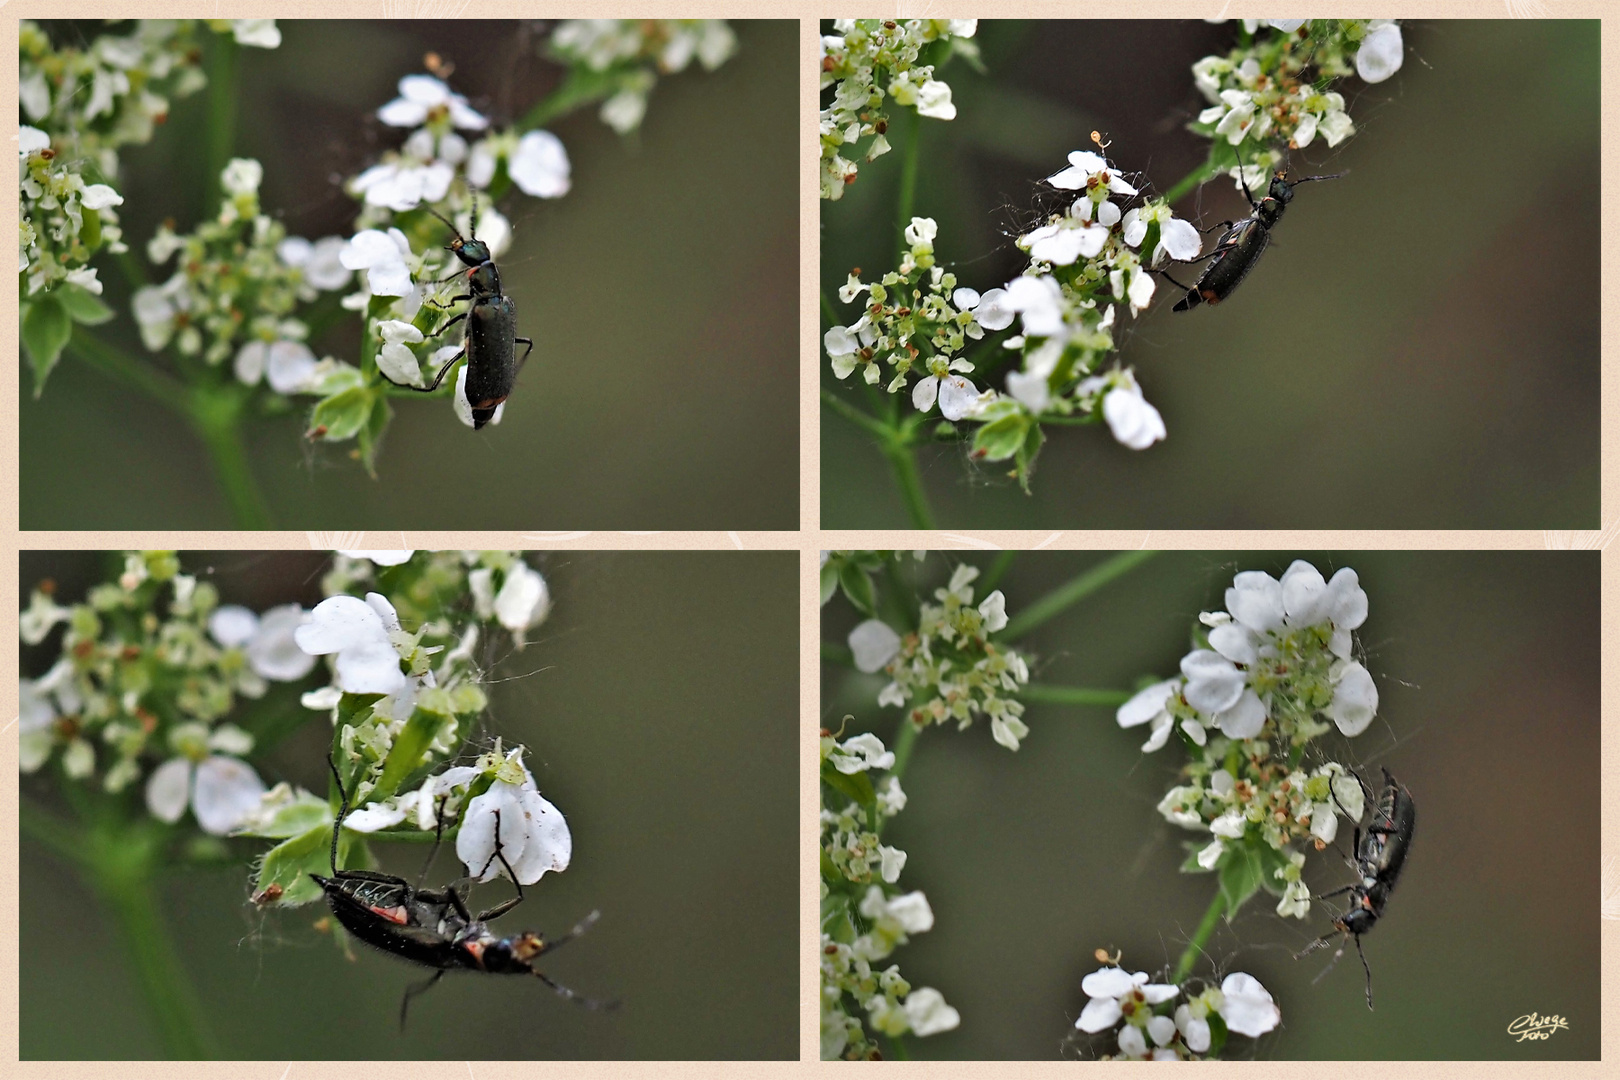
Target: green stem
[(220, 136), (897, 1046), (855, 416), (141, 376), (904, 743), (1073, 695), (904, 464), (1064, 596), (122, 874), (908, 181), (1204, 172), (1195, 947), (216, 414), (998, 570)]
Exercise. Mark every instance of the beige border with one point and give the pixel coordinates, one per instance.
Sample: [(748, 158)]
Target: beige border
[(809, 540)]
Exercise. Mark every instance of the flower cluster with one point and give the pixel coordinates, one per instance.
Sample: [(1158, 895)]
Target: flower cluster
[(236, 284), (868, 60), (150, 666), (1272, 87), (622, 58), (917, 320), (949, 665), (1150, 1029), (405, 685), (81, 105), (1276, 674), (862, 927)]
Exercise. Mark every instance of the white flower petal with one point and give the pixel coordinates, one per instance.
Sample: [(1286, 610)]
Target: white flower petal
[(226, 791), (168, 789), (874, 644)]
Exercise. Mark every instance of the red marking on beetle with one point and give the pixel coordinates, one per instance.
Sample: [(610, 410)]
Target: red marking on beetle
[(475, 949), (393, 914)]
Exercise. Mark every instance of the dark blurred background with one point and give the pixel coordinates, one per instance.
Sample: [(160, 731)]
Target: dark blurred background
[(661, 292), (1487, 671), (656, 702), (1418, 349)]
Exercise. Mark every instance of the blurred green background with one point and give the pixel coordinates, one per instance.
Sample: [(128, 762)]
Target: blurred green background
[(1487, 671), (656, 702), (1418, 349), (661, 293)]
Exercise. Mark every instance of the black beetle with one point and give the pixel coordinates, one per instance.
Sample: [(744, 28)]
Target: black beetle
[(490, 340), (1241, 246), (1380, 854), (433, 927)]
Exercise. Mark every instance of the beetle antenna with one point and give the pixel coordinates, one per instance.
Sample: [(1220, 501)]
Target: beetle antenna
[(579, 929), (1330, 176), (578, 999), (447, 221)]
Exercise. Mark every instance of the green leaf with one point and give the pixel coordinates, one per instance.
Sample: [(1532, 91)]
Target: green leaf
[(303, 813), (1247, 868), (858, 587), (1027, 454), (290, 863), (858, 786), (1001, 439), (82, 305), (341, 416), (405, 756), (1217, 1035), (1190, 864), (829, 579), (46, 330)]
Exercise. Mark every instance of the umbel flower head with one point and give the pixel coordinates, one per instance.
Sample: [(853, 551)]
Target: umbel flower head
[(1150, 1028)]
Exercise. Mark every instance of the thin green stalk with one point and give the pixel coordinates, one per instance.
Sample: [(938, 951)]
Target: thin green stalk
[(219, 139), (998, 569), (869, 424), (904, 464), (1065, 596), (908, 180), (1201, 936), (134, 373), (904, 743), (898, 1046), (1204, 172), (217, 415), (122, 875), (1073, 695)]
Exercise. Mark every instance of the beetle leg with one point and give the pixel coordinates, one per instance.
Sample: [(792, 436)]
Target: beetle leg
[(438, 835), (1365, 968), (526, 352), (1335, 892), (447, 325), (413, 991), (577, 999), (439, 378), (507, 905)]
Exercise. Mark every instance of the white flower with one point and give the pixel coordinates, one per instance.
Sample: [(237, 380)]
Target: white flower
[(289, 364), (269, 641), (403, 185), (1133, 421), (890, 798), (1180, 807), (381, 558), (1381, 52), (1151, 704), (30, 139), (420, 96), (993, 610), (322, 261), (990, 310), (874, 644), (43, 613), (1194, 1029), (524, 601), (242, 176), (1213, 684), (259, 33), (100, 196), (1109, 988), (1063, 242), (860, 753), (1008, 730), (934, 99), (1247, 1007), (395, 359), (358, 631), (957, 395), (893, 860), (1355, 699), (222, 791), (928, 1014), (382, 256), (1083, 166), (540, 165), (534, 838)]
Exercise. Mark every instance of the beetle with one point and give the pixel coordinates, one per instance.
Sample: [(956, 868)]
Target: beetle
[(1241, 246), (1380, 855), (433, 927), (490, 339)]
